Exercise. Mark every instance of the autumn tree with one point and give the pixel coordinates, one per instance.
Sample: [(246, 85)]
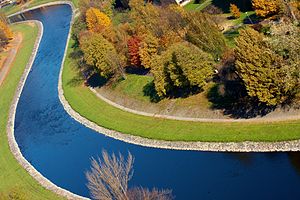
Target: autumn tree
[(266, 8), (182, 68), (109, 177), (166, 24), (262, 70), (96, 20), (285, 41), (105, 6), (98, 52), (235, 11), (5, 32), (133, 51), (148, 49), (203, 32)]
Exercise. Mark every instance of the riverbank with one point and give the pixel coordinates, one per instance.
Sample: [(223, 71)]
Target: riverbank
[(102, 114), (129, 95), (17, 181), (12, 9)]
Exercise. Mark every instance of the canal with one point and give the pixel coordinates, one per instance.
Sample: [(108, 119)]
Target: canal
[(61, 148)]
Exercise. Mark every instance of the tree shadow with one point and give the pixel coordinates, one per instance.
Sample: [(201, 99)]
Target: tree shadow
[(136, 70), (233, 100), (75, 81), (251, 19), (243, 5), (95, 80), (294, 158), (150, 91)]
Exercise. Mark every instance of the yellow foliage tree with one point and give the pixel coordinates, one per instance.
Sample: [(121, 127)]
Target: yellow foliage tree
[(264, 8), (6, 30), (96, 20), (235, 11)]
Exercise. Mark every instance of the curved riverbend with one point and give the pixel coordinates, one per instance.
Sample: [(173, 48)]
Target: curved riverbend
[(60, 148)]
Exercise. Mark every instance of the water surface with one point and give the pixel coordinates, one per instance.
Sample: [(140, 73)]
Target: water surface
[(61, 148)]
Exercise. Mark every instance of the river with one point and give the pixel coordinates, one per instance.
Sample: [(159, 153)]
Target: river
[(61, 148)]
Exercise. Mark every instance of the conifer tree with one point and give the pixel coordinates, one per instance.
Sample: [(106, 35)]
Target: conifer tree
[(262, 70)]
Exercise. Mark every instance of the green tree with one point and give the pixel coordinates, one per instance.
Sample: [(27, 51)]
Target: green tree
[(181, 68), (203, 32), (100, 53), (262, 70)]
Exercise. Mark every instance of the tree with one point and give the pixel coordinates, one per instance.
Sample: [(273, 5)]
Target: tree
[(108, 179), (285, 41), (148, 49), (105, 6), (98, 53), (262, 71), (5, 32), (203, 32), (133, 50), (182, 68), (79, 26), (96, 20), (266, 8), (235, 11)]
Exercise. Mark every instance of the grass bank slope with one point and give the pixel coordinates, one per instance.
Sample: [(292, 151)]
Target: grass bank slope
[(89, 106), (15, 183)]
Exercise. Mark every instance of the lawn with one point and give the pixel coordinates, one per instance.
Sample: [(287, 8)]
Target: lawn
[(11, 9), (133, 86), (15, 182), (88, 105), (192, 6)]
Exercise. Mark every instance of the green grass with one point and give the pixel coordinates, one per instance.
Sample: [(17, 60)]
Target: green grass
[(14, 180), (133, 86), (88, 105), (243, 17), (11, 9), (192, 6), (231, 34)]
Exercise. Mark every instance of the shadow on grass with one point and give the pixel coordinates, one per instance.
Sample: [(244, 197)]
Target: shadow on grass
[(96, 80), (243, 5), (136, 70), (236, 104), (251, 19), (150, 91)]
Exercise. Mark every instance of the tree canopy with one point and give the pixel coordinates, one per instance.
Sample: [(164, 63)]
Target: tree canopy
[(99, 52), (96, 20), (262, 70), (180, 69)]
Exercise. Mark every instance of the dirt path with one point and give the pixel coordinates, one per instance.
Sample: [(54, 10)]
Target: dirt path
[(187, 114), (11, 52)]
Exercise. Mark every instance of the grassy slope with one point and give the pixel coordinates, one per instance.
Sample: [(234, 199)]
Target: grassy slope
[(14, 180), (8, 10), (133, 86), (88, 105), (192, 6)]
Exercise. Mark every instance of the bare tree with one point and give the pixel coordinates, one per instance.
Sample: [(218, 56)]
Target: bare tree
[(108, 180), (139, 193)]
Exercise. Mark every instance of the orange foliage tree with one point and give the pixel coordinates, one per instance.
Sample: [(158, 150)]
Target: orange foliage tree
[(5, 32), (235, 11), (96, 20), (265, 8), (133, 50)]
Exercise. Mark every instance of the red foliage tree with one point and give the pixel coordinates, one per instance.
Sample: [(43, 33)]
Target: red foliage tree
[(133, 51)]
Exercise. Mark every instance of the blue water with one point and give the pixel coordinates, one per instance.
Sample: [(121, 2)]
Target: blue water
[(60, 148)]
